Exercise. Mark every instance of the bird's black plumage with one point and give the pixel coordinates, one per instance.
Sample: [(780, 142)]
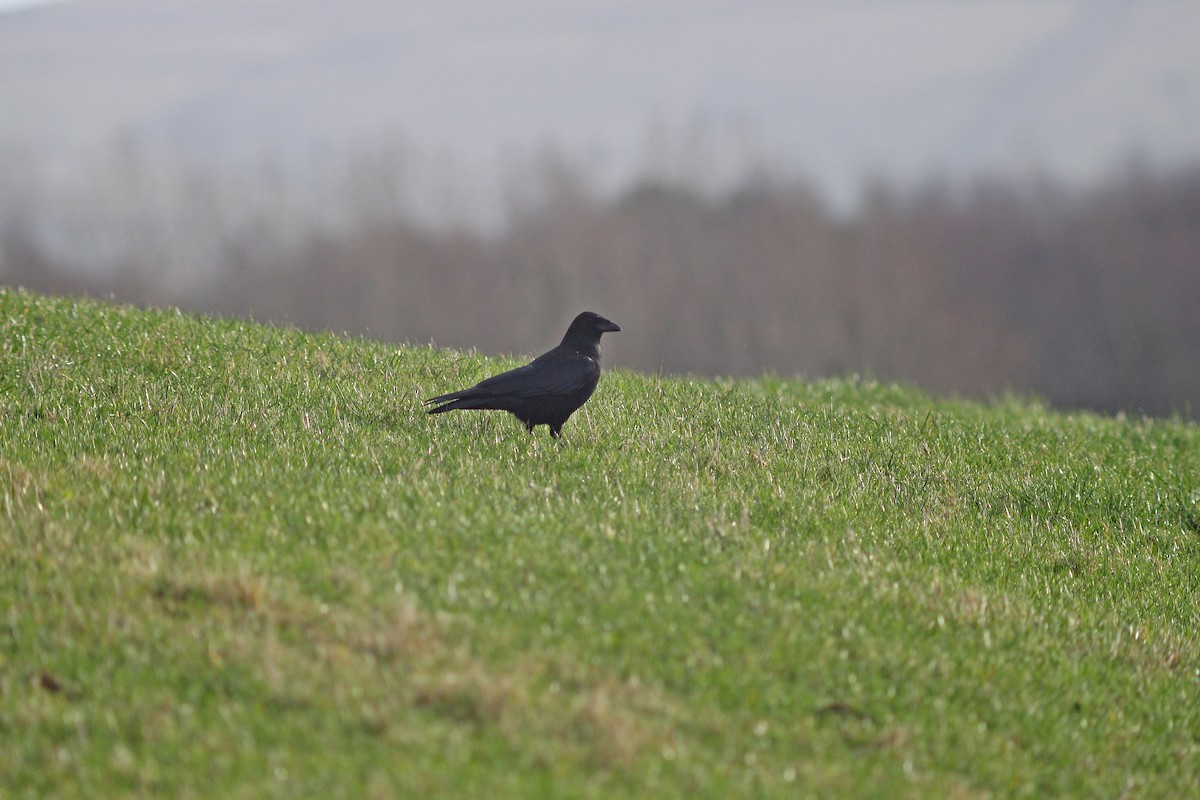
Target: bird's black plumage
[(547, 390)]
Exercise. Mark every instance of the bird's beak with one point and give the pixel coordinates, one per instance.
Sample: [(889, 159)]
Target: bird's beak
[(607, 326)]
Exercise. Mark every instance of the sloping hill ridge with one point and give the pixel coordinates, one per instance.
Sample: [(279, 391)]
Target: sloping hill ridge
[(239, 561)]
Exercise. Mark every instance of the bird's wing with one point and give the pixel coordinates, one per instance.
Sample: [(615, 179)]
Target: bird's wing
[(552, 373), (556, 372)]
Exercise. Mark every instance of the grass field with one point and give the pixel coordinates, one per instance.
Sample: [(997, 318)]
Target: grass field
[(239, 561)]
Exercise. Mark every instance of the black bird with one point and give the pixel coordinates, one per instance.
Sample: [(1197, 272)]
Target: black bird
[(547, 390)]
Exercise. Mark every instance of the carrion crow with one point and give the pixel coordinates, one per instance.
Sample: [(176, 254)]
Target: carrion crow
[(547, 390)]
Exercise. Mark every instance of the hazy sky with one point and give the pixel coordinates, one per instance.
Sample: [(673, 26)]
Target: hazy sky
[(9, 5), (832, 90)]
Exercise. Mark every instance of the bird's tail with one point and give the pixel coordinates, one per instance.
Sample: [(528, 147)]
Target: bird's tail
[(466, 399), (443, 402)]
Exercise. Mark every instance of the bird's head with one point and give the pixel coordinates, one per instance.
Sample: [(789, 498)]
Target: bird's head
[(585, 330), (590, 325)]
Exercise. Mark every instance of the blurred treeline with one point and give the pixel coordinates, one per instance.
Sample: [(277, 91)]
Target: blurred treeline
[(1087, 298)]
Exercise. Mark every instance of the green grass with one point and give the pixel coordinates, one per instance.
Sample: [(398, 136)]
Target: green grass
[(239, 561)]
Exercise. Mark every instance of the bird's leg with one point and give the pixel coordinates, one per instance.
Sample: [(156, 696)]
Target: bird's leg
[(556, 431)]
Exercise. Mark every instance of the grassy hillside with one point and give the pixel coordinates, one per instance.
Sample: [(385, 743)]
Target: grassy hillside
[(238, 561)]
